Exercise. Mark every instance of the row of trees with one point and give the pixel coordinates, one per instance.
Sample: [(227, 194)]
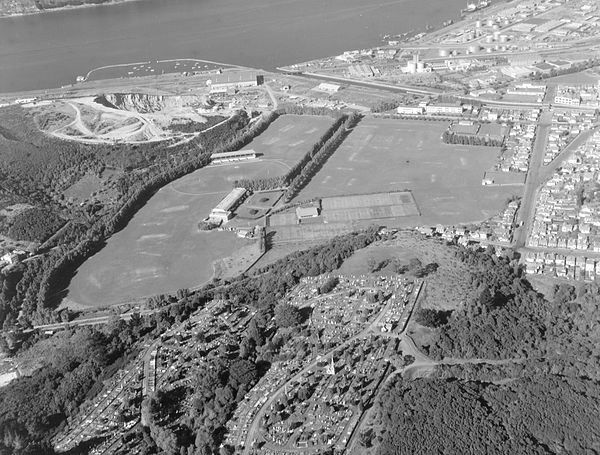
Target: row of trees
[(301, 174), (271, 183), (448, 137)]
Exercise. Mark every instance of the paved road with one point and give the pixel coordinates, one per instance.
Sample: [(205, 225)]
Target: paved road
[(548, 171), (525, 214), (377, 85)]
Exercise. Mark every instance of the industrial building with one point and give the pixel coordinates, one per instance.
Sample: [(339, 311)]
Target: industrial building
[(223, 211), (444, 108), (229, 157), (410, 110), (327, 87), (230, 80)]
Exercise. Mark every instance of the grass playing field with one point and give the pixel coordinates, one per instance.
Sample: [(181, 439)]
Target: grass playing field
[(161, 249), (289, 138), (388, 154)]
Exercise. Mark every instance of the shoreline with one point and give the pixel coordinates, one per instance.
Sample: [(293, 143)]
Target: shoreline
[(63, 9)]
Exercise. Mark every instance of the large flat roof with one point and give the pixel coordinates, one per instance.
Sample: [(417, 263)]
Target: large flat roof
[(228, 201), (234, 77)]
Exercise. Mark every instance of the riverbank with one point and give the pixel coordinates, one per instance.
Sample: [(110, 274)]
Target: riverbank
[(7, 14)]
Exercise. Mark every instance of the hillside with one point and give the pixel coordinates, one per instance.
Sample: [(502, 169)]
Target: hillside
[(506, 372)]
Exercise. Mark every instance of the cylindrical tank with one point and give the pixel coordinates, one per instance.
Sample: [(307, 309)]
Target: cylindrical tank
[(496, 36), (455, 53), (420, 67), (506, 22), (490, 22), (443, 53), (474, 48), (489, 50), (496, 27)]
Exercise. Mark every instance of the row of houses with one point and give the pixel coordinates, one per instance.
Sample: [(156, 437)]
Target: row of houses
[(519, 146), (567, 212), (562, 266), (565, 127)]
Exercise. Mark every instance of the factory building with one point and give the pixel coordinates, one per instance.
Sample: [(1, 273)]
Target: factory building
[(414, 66), (444, 108), (327, 87), (224, 209), (230, 80)]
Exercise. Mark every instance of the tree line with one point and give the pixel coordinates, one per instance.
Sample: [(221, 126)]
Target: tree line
[(448, 137)]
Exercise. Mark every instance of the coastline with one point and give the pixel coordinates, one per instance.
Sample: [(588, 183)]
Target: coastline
[(63, 9)]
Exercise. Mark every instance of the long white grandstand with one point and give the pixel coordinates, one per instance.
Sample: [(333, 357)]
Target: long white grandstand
[(229, 157)]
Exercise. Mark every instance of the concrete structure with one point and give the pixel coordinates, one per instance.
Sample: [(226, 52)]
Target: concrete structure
[(230, 80), (228, 157), (223, 211)]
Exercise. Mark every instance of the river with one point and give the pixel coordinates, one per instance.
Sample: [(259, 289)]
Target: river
[(50, 49)]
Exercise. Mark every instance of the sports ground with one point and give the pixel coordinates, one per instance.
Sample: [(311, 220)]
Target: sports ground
[(161, 249), (289, 138), (389, 154)]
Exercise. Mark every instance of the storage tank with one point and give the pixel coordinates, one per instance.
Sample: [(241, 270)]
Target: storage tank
[(490, 22), (473, 48), (455, 53), (496, 36), (489, 50), (420, 67), (443, 53), (496, 27)]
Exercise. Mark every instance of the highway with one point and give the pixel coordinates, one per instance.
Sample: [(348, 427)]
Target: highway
[(376, 85)]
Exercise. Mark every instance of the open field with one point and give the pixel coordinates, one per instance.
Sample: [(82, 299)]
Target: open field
[(290, 137), (161, 249), (385, 155)]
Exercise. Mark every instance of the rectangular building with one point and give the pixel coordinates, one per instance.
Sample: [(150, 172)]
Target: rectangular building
[(228, 157), (228, 80), (223, 210)]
